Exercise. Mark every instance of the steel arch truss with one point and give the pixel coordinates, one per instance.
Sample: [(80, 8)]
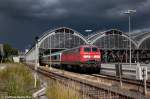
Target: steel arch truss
[(113, 39), (144, 42), (61, 38)]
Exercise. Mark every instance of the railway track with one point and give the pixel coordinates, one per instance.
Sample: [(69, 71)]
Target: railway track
[(96, 87), (123, 79), (129, 74), (82, 82)]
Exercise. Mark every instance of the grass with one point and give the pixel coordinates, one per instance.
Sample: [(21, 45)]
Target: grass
[(57, 90), (17, 80)]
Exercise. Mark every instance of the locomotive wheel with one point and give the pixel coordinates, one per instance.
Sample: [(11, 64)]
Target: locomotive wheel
[(70, 67), (92, 70), (74, 68), (88, 70), (80, 69), (62, 66), (97, 68), (84, 70)]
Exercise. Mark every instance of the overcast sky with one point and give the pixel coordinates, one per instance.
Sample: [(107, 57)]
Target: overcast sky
[(22, 20)]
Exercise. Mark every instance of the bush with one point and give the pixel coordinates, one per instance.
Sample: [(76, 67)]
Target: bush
[(18, 80), (57, 90)]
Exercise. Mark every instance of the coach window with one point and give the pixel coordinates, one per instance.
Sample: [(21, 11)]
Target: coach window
[(58, 57), (55, 57), (87, 49)]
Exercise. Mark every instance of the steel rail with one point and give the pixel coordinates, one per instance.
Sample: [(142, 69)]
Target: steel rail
[(124, 80)]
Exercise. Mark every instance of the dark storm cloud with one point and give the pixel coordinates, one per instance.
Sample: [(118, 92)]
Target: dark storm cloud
[(58, 8), (27, 18)]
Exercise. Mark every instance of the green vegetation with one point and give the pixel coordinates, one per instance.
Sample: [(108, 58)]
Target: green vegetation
[(17, 80), (57, 90), (9, 51)]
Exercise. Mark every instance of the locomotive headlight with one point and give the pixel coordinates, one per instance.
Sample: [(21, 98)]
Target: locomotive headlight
[(86, 56), (96, 56)]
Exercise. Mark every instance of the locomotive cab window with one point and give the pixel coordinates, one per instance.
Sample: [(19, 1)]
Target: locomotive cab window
[(94, 49), (87, 49)]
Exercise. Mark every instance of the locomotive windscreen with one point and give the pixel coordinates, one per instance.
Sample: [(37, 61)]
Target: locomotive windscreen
[(87, 49), (94, 49)]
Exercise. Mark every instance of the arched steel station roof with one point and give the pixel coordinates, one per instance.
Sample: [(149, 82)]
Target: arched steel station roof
[(143, 40), (139, 40), (112, 39), (64, 37)]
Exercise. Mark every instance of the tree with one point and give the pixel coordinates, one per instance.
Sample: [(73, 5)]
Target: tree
[(9, 51), (1, 52)]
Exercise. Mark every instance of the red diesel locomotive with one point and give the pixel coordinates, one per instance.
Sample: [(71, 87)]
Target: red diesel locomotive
[(83, 58)]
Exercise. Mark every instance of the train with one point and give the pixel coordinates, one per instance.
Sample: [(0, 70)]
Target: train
[(84, 58)]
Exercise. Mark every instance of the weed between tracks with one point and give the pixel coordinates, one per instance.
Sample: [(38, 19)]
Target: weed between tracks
[(57, 90), (16, 80)]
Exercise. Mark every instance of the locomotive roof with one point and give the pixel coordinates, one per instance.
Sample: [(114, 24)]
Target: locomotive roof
[(87, 46)]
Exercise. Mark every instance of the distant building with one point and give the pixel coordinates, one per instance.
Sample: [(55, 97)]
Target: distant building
[(19, 58), (26, 50), (21, 55), (16, 59)]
